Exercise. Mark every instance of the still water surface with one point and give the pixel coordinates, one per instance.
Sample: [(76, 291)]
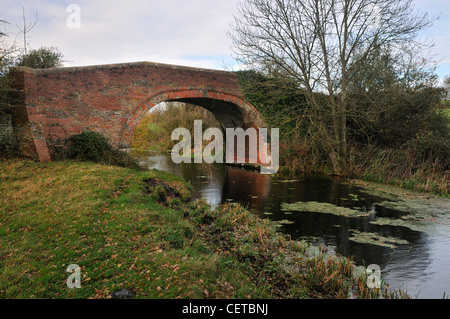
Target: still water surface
[(419, 263)]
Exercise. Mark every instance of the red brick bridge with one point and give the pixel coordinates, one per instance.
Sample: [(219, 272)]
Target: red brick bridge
[(54, 104)]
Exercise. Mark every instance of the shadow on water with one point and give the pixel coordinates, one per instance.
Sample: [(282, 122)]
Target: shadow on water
[(409, 259)]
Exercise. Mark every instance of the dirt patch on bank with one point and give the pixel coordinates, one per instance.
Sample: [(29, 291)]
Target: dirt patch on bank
[(163, 192)]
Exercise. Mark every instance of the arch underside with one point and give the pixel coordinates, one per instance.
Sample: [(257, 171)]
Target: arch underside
[(226, 113), (229, 110)]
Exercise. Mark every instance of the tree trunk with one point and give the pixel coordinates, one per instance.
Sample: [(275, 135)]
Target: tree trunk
[(335, 162), (343, 125), (334, 154)]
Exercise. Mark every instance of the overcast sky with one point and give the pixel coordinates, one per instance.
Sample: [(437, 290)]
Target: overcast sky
[(184, 32)]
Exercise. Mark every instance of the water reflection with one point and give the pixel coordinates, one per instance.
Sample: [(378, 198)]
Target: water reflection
[(421, 266)]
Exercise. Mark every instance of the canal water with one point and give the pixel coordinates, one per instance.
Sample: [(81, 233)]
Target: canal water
[(407, 236)]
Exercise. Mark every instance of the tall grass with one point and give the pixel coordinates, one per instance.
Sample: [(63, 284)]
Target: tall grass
[(420, 165)]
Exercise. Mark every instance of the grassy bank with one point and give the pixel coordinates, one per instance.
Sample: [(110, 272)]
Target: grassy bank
[(139, 230)]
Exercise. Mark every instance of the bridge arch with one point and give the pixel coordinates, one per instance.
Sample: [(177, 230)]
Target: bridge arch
[(230, 111)]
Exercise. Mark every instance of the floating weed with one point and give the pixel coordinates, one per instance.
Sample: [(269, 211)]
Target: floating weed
[(325, 208), (417, 211), (354, 197), (376, 239), (285, 222)]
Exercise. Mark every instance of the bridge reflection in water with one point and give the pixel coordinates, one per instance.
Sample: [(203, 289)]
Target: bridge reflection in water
[(217, 184)]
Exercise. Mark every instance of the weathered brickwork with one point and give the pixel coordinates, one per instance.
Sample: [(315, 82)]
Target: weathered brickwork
[(5, 127), (111, 99)]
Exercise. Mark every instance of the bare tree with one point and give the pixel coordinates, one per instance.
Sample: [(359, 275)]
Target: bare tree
[(319, 43), (25, 29), (8, 56)]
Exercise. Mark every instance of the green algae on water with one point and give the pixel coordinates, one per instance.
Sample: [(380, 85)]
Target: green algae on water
[(425, 226), (376, 239), (285, 222), (325, 208), (418, 212)]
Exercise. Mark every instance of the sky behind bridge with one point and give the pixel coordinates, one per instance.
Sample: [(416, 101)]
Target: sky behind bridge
[(182, 32)]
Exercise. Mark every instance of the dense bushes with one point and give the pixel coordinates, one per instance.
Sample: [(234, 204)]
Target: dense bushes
[(94, 147), (394, 117)]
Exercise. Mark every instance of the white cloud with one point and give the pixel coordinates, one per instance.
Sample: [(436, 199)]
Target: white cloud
[(172, 31)]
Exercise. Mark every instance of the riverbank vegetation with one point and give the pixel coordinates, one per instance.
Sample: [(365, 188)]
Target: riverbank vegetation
[(350, 86), (93, 147), (406, 144), (141, 231)]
